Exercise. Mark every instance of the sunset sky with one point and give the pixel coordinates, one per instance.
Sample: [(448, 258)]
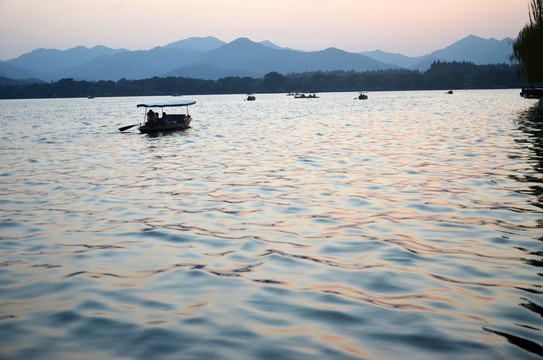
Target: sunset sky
[(410, 27)]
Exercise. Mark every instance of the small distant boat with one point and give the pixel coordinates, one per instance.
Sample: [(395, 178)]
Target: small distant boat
[(251, 98), (450, 92), (362, 97), (90, 97), (304, 96), (166, 122)]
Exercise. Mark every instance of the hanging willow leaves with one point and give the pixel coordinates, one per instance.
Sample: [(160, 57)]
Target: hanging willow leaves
[(528, 48)]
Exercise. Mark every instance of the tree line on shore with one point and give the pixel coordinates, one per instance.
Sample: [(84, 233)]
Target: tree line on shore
[(440, 76)]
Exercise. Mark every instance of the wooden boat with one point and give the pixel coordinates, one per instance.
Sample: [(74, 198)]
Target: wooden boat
[(166, 122), (362, 97), (304, 96), (251, 98)]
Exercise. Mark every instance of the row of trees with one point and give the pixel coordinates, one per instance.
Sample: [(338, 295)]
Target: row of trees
[(441, 75)]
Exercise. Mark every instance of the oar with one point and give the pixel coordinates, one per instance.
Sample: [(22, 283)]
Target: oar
[(126, 127)]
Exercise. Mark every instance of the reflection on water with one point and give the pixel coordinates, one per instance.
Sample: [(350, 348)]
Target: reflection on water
[(404, 226)]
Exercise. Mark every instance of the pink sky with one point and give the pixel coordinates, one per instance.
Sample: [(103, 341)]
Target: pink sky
[(410, 27)]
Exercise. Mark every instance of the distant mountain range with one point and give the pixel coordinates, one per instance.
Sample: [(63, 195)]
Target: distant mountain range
[(471, 49), (211, 58)]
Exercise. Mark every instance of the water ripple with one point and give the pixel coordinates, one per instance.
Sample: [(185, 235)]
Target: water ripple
[(405, 226)]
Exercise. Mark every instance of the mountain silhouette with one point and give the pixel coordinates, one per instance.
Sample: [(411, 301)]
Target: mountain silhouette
[(211, 58), (50, 61), (131, 65), (260, 59), (477, 50), (197, 43), (471, 49)]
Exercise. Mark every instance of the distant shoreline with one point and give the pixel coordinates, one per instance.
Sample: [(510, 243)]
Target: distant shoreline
[(440, 76)]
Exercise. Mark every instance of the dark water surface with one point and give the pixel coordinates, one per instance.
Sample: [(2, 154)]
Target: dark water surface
[(408, 225)]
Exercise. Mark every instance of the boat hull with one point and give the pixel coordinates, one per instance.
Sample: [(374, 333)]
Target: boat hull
[(532, 93), (172, 123)]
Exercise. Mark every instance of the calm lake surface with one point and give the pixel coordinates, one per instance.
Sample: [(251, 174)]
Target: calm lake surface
[(408, 225)]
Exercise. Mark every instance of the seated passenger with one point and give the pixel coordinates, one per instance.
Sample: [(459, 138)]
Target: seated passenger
[(152, 117)]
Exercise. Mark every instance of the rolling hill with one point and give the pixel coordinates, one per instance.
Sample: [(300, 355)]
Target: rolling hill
[(470, 49), (211, 58)]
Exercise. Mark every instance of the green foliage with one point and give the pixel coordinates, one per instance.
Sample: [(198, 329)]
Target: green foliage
[(273, 81), (528, 48), (440, 76)]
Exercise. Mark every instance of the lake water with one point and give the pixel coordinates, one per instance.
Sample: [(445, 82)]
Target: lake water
[(408, 225)]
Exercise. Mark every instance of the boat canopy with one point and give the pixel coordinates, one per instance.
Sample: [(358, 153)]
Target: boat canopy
[(169, 104)]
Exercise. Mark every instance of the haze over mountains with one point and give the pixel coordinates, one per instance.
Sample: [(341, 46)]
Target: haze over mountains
[(211, 58)]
